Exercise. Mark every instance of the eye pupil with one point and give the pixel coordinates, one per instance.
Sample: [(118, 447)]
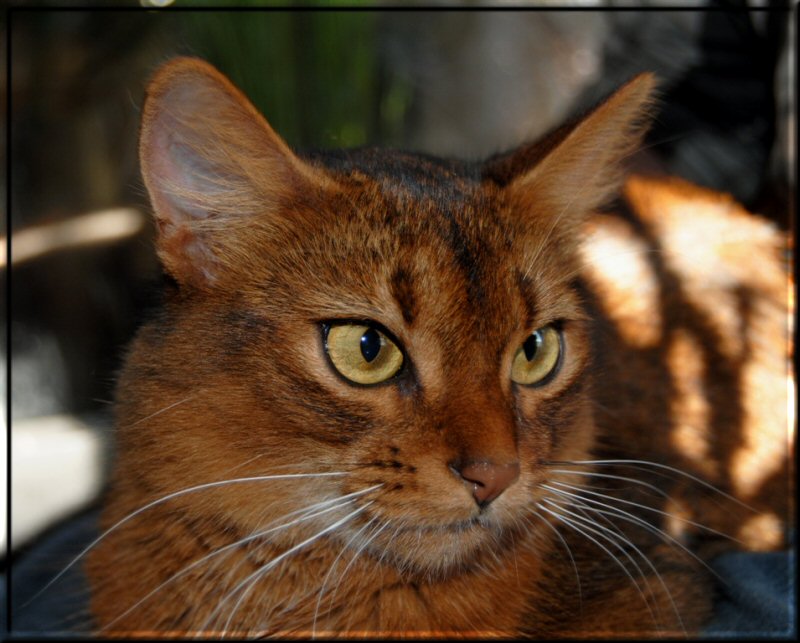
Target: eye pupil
[(531, 345), (370, 344)]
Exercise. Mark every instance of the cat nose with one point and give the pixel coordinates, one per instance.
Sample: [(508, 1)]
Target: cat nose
[(487, 479)]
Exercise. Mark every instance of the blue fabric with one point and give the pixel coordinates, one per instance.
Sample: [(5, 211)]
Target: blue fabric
[(62, 608), (755, 598)]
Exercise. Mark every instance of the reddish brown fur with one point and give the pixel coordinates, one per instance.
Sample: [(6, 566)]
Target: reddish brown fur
[(460, 263)]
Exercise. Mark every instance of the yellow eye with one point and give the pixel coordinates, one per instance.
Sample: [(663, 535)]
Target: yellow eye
[(537, 357), (362, 353)]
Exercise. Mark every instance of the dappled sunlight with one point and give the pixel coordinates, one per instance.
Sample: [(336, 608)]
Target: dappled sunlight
[(690, 407), (620, 269), (708, 393)]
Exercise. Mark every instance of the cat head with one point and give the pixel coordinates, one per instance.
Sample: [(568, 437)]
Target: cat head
[(410, 326)]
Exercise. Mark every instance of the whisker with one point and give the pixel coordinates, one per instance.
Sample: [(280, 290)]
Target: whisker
[(168, 497), (272, 467), (355, 556), (612, 527), (614, 537), (350, 613), (342, 501), (330, 571), (633, 463), (388, 542), (313, 591), (645, 507), (534, 512), (164, 410), (250, 580), (594, 474), (629, 517), (337, 502), (571, 523), (593, 526)]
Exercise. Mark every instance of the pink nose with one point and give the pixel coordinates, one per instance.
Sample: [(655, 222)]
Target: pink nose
[(487, 479)]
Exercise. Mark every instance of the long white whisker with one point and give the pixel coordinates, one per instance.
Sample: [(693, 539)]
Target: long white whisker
[(584, 508), (340, 502), (330, 571), (666, 467), (164, 410), (311, 592), (569, 552), (355, 557), (272, 467), (594, 528), (594, 474), (631, 518), (386, 547), (172, 496), (571, 523), (586, 511), (252, 578), (641, 506)]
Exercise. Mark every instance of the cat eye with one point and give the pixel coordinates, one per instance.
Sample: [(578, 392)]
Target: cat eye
[(538, 357), (362, 353)]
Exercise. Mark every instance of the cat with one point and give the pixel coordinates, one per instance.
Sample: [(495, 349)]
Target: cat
[(394, 395)]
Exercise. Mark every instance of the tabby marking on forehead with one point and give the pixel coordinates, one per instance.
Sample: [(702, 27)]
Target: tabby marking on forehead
[(403, 292)]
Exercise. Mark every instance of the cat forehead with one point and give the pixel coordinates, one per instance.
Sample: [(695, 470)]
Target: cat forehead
[(432, 234), (399, 166), (421, 197)]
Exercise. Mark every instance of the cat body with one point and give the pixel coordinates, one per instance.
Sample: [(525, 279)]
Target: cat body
[(383, 388)]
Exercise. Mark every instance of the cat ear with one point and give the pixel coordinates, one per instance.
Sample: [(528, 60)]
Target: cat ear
[(210, 162), (577, 168)]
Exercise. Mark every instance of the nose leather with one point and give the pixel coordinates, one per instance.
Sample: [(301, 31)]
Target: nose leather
[(487, 479)]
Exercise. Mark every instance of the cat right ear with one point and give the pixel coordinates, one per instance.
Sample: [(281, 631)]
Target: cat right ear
[(578, 167), (210, 163)]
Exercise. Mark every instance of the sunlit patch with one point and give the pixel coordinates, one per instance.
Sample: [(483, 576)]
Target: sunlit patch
[(676, 521), (618, 263), (729, 260), (689, 407), (729, 234), (762, 533), (763, 450), (791, 420)]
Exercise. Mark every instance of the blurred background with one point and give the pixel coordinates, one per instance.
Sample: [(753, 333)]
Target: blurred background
[(82, 271)]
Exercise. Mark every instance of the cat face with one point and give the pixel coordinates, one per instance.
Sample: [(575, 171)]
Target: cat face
[(442, 282), (403, 333)]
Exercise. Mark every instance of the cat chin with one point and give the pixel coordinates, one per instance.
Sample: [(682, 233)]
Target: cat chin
[(440, 552)]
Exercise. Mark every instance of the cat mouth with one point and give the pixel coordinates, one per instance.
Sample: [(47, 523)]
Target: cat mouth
[(477, 522), (442, 548)]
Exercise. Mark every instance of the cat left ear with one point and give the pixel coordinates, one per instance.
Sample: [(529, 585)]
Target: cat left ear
[(210, 162), (578, 167)]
